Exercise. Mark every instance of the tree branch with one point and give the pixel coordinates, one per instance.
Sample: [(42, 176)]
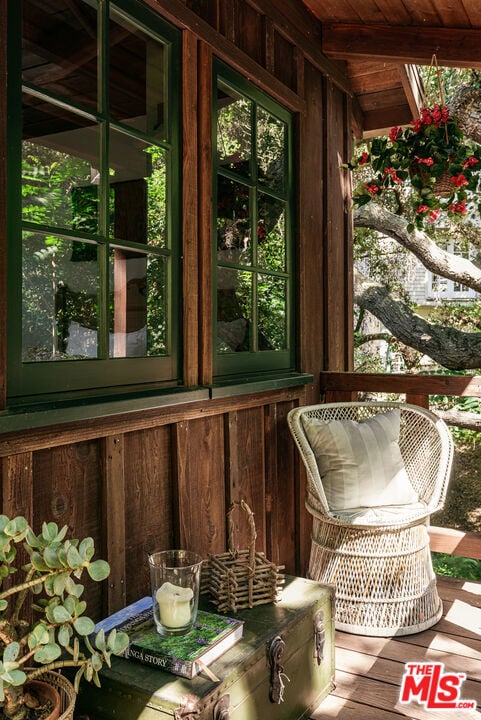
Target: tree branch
[(363, 339), (460, 418), (434, 258), (447, 346)]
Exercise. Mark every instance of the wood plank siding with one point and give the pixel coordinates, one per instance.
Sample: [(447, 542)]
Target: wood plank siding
[(163, 475)]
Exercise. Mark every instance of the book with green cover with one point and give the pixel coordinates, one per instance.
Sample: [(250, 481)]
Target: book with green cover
[(186, 655)]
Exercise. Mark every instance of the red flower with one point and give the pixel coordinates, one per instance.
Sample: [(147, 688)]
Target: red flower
[(431, 116), (392, 172), (393, 135), (372, 188), (422, 209), (424, 161), (363, 159), (459, 207), (470, 162), (459, 180)]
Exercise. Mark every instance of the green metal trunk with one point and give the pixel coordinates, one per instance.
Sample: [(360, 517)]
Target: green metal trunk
[(281, 669)]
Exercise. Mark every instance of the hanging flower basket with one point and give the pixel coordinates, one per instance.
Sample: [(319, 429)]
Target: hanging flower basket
[(432, 154)]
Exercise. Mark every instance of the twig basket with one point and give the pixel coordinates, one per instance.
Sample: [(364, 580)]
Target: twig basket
[(240, 579)]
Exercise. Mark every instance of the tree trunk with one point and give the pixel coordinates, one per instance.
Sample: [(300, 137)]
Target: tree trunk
[(466, 106), (447, 346)]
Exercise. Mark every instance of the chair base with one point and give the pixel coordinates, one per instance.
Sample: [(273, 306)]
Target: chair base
[(384, 578)]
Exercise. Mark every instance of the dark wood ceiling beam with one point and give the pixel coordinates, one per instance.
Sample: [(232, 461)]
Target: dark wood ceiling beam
[(452, 46)]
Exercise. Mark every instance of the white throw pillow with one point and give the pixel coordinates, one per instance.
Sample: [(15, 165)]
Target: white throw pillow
[(360, 463)]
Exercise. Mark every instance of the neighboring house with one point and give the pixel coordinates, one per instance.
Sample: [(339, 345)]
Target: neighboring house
[(428, 289)]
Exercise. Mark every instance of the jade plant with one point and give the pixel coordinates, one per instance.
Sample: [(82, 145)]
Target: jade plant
[(61, 635)]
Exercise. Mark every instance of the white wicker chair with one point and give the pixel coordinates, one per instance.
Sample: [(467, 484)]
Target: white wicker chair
[(382, 569)]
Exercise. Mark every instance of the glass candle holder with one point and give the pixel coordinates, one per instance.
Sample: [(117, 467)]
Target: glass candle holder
[(175, 581)]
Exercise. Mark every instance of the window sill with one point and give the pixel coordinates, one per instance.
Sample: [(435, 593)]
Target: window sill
[(31, 417), (229, 387)]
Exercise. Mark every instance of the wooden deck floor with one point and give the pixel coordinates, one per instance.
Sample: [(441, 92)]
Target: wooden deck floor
[(369, 670)]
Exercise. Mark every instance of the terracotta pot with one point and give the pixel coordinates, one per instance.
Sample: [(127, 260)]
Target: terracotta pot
[(46, 692)]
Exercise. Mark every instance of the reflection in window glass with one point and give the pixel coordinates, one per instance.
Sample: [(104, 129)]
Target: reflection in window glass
[(59, 48), (253, 224), (60, 299), (234, 310), (137, 77), (234, 130), (271, 150), (272, 307), (233, 222), (98, 143), (138, 184), (271, 233), (139, 304), (59, 168)]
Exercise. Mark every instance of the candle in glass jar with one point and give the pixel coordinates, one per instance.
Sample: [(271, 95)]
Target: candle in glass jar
[(174, 605)]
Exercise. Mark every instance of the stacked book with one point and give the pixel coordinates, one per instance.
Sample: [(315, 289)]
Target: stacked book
[(186, 655)]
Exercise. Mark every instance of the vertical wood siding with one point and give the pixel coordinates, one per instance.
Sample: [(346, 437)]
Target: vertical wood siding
[(165, 477)]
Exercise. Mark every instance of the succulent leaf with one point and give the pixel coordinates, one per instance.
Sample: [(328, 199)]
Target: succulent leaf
[(98, 570)]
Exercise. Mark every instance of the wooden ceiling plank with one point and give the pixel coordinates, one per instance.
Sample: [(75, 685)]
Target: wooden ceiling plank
[(359, 68), (335, 10), (370, 12), (395, 9), (472, 8), (453, 14), (379, 122), (453, 47), (385, 79), (377, 100), (424, 12)]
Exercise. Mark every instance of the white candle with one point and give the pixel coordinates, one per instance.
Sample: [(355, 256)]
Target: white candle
[(174, 605)]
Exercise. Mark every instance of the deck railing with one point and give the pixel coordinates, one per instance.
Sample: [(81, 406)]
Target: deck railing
[(344, 386)]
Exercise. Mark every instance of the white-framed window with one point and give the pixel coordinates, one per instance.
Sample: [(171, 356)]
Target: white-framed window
[(441, 288)]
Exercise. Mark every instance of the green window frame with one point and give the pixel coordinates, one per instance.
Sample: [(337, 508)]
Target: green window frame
[(253, 230), (94, 256)]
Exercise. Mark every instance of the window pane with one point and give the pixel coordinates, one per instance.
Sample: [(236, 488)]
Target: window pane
[(59, 49), (139, 304), (60, 299), (137, 78), (234, 310), (138, 183), (271, 151), (233, 222), (272, 307), (271, 233), (60, 160), (234, 131)]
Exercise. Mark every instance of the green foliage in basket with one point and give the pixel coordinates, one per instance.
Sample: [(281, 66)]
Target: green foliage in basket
[(432, 155)]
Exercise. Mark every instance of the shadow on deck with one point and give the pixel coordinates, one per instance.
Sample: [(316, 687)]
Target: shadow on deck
[(369, 670)]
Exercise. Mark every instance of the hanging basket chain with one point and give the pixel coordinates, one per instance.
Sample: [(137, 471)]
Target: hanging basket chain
[(434, 65)]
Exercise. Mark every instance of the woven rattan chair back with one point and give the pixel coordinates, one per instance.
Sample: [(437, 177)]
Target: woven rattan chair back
[(385, 583)]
